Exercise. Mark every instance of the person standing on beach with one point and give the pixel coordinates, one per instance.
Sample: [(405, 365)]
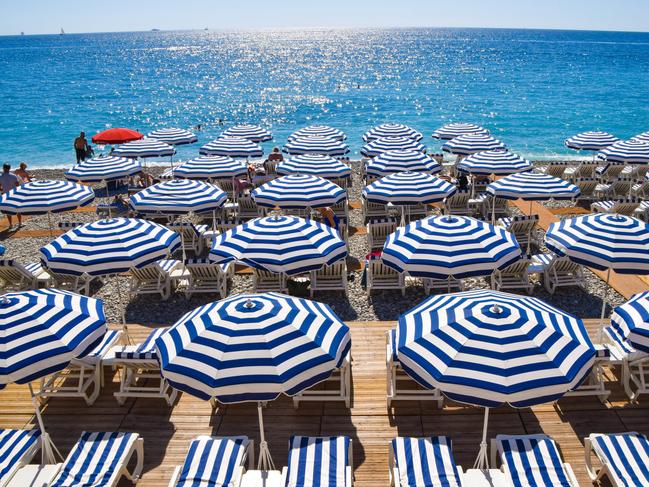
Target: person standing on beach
[(81, 147), (9, 181), (22, 173)]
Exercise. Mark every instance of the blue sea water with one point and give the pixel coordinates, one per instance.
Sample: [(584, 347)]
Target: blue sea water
[(532, 88)]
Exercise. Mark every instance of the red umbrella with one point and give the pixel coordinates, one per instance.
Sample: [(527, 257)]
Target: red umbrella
[(116, 136)]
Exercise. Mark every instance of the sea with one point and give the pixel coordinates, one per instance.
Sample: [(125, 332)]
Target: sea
[(531, 88)]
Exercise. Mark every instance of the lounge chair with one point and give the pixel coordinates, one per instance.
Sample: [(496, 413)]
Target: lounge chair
[(226, 184), (608, 172), (624, 206), (378, 231), (635, 364), (488, 206), (624, 458), (16, 277), (458, 204), (616, 189), (556, 169), (113, 210), (101, 459), (83, 377), (416, 212), (401, 387), (214, 461), (204, 276), (264, 281), (586, 188), (336, 388), (522, 226), (343, 232), (342, 182), (157, 278), (69, 282), (423, 462), (341, 210), (248, 209), (139, 371), (532, 461), (193, 236), (380, 276), (330, 278), (557, 271), (444, 285), (638, 172), (585, 169), (640, 190), (514, 276), (318, 462), (373, 211), (17, 448), (642, 212)]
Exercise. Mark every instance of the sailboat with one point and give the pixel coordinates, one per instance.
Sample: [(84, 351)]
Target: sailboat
[(62, 31)]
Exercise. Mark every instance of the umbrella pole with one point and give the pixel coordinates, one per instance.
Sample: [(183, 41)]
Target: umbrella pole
[(49, 452), (49, 222), (493, 210), (482, 462), (265, 461), (403, 216), (127, 338), (604, 302)]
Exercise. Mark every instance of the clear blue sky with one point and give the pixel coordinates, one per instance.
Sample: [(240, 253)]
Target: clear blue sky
[(48, 16)]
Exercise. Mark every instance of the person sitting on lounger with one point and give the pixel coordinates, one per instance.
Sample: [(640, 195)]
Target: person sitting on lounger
[(22, 173), (329, 217), (275, 156)]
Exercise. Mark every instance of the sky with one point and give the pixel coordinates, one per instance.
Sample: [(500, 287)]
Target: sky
[(49, 16)]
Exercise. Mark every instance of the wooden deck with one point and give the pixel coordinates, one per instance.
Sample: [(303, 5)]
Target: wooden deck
[(167, 431)]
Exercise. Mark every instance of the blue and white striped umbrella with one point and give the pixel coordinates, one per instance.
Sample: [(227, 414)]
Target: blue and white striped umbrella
[(178, 197), (320, 130), (253, 348), (487, 348), (280, 244), (41, 331), (465, 145), (379, 146), (108, 247), (298, 191), (603, 241), (41, 197), (497, 161), (452, 130), (402, 160), (531, 186), (211, 167), (408, 188), (144, 148), (392, 130), (591, 141), (316, 144), (631, 320), (316, 165), (254, 133), (173, 136), (440, 247), (643, 137), (626, 151), (233, 147), (103, 168)]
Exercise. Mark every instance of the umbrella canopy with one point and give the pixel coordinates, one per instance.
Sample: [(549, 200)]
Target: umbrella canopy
[(315, 165), (316, 144), (468, 144), (144, 148), (173, 136), (488, 348), (408, 188), (643, 137), (211, 167), (500, 162), (531, 186), (591, 141), (281, 244), (103, 168), (378, 146), (626, 151), (108, 247), (178, 197), (41, 197), (392, 130), (298, 191), (440, 247), (233, 147), (631, 320), (41, 331), (319, 130), (254, 133), (116, 136), (452, 130), (603, 241), (402, 160)]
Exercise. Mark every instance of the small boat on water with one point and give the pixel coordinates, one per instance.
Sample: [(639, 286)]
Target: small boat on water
[(62, 32)]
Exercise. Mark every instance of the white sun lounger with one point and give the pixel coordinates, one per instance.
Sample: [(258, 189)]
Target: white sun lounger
[(84, 377), (193, 236), (330, 278), (515, 277), (556, 169), (423, 462), (458, 204), (17, 448), (373, 211), (264, 281), (585, 169), (204, 276), (381, 277), (624, 458), (16, 277), (586, 188), (532, 461), (557, 271), (76, 284), (617, 189), (444, 285), (635, 364), (401, 387), (522, 226), (625, 206), (640, 190), (378, 231), (340, 386), (609, 172), (214, 461), (319, 462), (157, 278), (139, 371)]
